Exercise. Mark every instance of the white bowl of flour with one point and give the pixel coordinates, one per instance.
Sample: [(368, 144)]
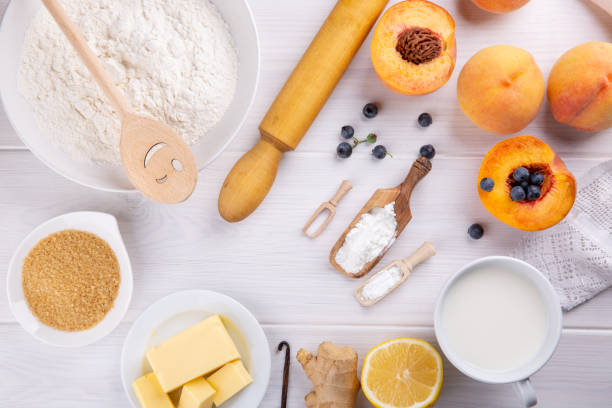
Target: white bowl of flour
[(194, 64)]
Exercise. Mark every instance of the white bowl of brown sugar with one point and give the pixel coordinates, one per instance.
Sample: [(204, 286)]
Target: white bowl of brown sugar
[(70, 282)]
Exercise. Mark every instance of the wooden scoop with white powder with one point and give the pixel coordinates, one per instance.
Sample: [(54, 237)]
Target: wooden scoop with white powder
[(376, 227), (392, 276)]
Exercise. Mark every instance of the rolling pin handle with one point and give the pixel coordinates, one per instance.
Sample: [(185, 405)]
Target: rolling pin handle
[(249, 181)]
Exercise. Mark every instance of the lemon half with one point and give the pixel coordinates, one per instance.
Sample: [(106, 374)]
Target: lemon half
[(402, 373)]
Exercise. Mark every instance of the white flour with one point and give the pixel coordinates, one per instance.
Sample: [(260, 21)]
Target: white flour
[(374, 232), (381, 283), (173, 60)]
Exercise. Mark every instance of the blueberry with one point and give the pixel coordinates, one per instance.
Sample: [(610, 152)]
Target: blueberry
[(518, 193), (380, 152), (425, 119), (533, 193), (487, 184), (537, 178), (347, 132), (428, 151), (520, 174), (476, 231), (344, 150), (370, 110), (524, 184)]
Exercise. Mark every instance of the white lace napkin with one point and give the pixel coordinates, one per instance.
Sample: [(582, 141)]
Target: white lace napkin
[(576, 254)]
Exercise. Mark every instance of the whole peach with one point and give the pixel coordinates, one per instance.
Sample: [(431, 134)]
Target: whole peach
[(501, 89), (580, 87), (500, 6)]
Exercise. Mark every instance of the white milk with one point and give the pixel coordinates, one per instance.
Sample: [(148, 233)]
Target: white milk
[(495, 319)]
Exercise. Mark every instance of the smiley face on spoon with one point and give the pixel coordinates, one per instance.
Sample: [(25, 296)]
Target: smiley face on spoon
[(176, 163), (165, 169)]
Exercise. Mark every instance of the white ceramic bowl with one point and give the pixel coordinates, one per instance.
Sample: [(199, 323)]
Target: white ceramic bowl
[(17, 18), (553, 309), (103, 225), (180, 310)]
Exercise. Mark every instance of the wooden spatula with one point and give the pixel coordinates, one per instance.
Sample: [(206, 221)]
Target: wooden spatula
[(155, 158), (401, 196)]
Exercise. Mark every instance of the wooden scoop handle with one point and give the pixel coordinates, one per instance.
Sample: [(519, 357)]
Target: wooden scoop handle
[(425, 251), (420, 168), (344, 188), (90, 59)]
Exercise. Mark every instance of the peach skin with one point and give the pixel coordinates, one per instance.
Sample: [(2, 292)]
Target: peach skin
[(413, 49), (580, 87), (500, 6), (501, 89), (555, 183)]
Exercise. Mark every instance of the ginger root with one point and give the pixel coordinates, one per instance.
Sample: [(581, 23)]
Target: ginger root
[(333, 373)]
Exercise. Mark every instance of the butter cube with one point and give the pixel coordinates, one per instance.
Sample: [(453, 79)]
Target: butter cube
[(197, 393), (150, 394), (194, 352), (228, 381)]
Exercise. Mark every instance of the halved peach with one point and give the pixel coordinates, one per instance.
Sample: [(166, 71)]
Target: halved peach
[(414, 50), (558, 189)]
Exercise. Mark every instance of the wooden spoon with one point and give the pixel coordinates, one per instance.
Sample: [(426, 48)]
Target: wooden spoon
[(406, 265), (155, 158), (401, 196)]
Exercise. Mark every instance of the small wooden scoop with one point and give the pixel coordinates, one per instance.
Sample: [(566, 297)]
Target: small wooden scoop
[(330, 206), (156, 159), (401, 196), (406, 265)]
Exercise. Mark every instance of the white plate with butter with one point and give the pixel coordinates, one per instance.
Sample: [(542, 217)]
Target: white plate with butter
[(173, 314)]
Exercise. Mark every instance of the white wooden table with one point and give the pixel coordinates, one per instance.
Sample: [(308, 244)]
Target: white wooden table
[(283, 277)]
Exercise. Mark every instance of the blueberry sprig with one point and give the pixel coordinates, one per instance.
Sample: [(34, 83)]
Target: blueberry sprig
[(345, 149)]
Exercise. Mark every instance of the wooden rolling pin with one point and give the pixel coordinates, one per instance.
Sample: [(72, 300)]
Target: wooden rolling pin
[(298, 104)]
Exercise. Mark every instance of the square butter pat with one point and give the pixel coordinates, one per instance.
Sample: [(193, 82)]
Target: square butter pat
[(228, 381), (194, 352), (150, 394), (197, 393)]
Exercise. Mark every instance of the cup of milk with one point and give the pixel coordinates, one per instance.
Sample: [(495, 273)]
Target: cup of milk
[(498, 320)]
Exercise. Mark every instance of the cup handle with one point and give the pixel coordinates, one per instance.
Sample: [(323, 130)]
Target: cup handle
[(526, 393)]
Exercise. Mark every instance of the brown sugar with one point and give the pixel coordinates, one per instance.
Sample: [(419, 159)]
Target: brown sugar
[(70, 280)]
